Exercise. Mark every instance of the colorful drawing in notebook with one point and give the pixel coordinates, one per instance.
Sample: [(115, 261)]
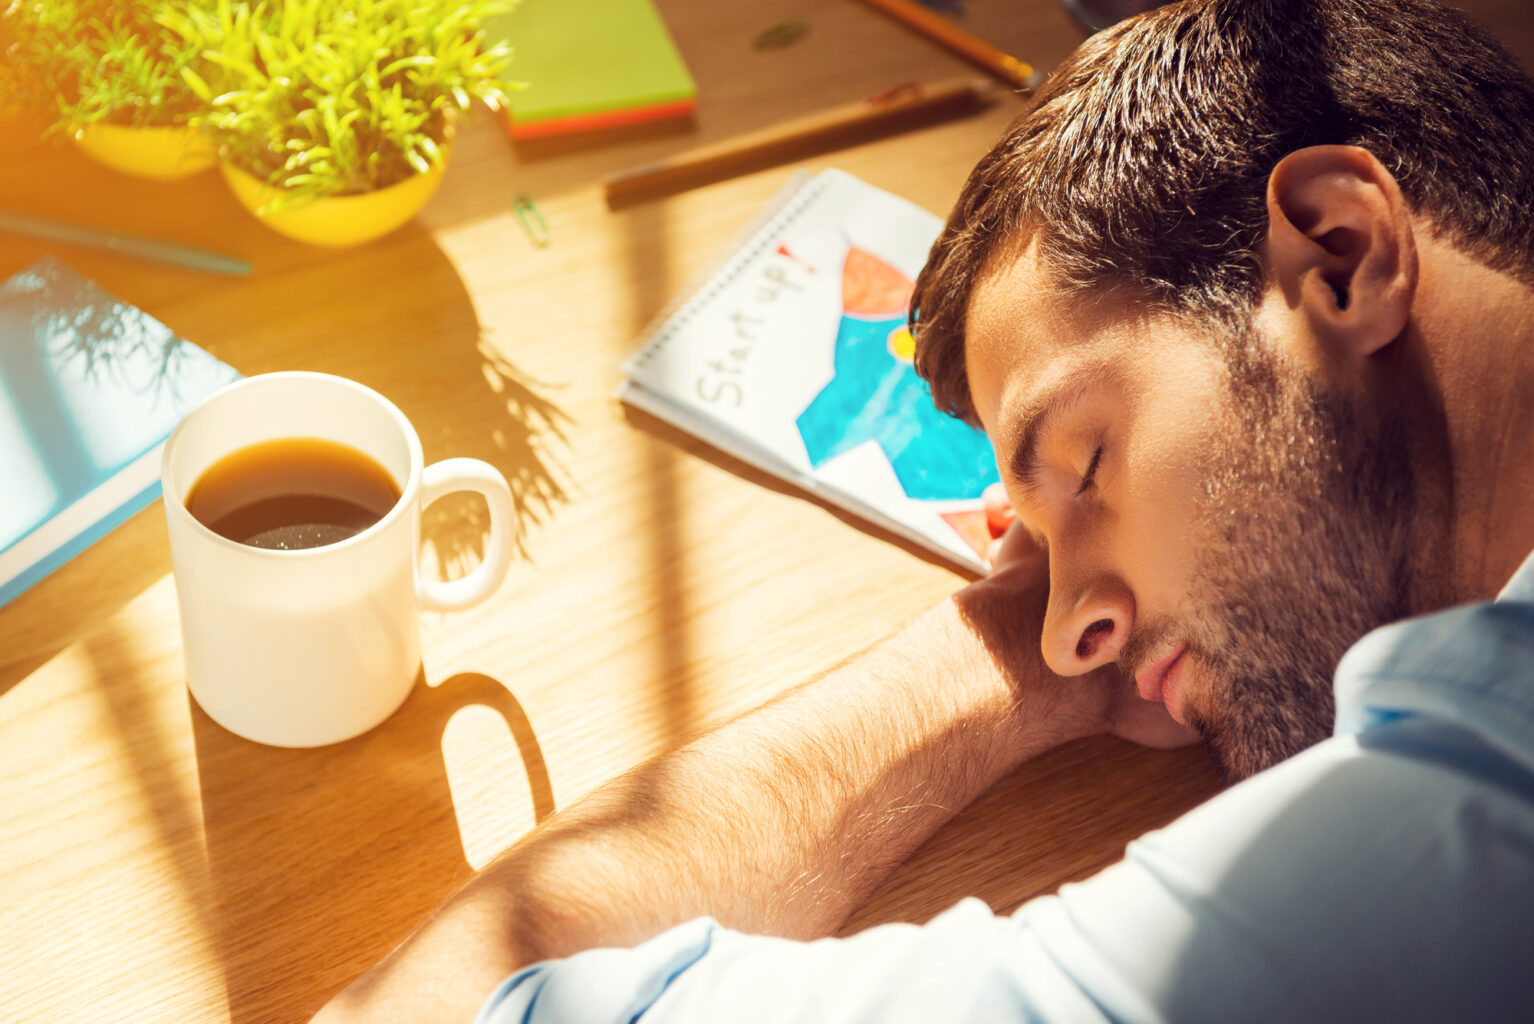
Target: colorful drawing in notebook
[(793, 354), (590, 65), (876, 395)]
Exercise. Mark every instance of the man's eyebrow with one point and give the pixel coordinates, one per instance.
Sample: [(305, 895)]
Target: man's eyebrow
[(1036, 419)]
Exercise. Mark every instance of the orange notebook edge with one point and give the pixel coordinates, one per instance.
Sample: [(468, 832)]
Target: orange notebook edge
[(544, 127)]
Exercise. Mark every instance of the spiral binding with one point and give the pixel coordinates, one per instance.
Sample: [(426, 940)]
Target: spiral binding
[(789, 202)]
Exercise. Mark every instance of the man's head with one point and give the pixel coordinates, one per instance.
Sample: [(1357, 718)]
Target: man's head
[(1179, 295)]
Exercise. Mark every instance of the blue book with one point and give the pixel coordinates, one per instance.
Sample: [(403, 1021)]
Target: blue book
[(90, 388)]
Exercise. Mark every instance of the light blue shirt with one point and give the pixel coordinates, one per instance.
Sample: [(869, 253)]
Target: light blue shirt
[(1385, 874)]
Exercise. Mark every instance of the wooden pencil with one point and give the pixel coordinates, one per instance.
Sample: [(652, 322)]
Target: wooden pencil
[(977, 51), (893, 110)]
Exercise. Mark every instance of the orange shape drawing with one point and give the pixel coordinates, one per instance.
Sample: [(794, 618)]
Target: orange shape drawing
[(873, 289), (971, 526)]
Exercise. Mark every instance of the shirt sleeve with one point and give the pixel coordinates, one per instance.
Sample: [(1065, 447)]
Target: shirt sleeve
[(1385, 874), (967, 964)]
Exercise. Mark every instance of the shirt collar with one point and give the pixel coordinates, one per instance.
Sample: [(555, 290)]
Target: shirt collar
[(1470, 667), (1521, 586)]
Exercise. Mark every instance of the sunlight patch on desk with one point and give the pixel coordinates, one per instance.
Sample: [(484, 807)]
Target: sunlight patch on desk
[(119, 756), (488, 782)]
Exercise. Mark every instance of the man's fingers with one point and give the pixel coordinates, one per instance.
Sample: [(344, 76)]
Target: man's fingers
[(1009, 542), (1013, 547), (998, 509)]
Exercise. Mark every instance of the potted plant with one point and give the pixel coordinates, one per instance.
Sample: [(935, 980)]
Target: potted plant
[(112, 78), (13, 78), (334, 122)]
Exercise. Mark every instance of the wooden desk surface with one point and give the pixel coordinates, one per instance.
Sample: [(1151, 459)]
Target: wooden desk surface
[(155, 868)]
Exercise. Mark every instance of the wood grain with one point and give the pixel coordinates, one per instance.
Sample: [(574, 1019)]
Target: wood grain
[(897, 109), (153, 867)]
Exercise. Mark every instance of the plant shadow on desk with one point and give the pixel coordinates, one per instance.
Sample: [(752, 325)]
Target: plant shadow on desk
[(322, 860), (523, 447), (395, 315), (426, 350)]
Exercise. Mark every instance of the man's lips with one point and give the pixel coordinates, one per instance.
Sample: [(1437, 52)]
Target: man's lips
[(1161, 680)]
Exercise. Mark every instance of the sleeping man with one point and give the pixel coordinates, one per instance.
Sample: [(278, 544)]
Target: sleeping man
[(1245, 302)]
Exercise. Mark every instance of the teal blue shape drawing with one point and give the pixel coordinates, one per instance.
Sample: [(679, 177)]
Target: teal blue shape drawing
[(875, 396)]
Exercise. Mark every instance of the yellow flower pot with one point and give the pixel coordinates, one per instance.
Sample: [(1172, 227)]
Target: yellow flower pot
[(335, 220), (162, 153)]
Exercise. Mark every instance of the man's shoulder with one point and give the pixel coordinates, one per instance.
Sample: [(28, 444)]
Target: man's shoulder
[(1469, 669)]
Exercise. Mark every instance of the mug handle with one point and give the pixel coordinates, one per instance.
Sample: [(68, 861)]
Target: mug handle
[(446, 477)]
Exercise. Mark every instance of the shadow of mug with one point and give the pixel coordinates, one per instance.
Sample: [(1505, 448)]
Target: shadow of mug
[(321, 860)]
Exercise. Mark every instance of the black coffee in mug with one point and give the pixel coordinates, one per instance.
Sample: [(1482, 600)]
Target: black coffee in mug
[(292, 493)]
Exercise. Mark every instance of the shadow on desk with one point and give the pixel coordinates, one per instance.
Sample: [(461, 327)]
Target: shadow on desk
[(1057, 819), (524, 445), (322, 860), (88, 590), (395, 315)]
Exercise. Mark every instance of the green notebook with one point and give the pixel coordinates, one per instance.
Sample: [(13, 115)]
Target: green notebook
[(591, 64)]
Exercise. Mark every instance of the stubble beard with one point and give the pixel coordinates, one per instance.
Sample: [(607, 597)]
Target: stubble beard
[(1308, 516)]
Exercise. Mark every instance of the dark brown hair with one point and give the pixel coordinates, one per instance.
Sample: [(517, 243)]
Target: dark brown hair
[(1143, 162)]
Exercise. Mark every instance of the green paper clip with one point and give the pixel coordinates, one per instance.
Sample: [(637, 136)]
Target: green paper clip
[(531, 218)]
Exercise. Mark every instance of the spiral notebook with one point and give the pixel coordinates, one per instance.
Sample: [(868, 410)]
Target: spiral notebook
[(795, 355), (90, 388)]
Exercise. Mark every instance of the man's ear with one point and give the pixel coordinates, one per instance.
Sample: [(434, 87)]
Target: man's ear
[(1340, 248)]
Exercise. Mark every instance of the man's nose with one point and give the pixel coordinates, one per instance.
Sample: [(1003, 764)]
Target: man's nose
[(1087, 623)]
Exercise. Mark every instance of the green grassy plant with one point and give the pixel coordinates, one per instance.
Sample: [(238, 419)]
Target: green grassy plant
[(338, 97), (99, 60)]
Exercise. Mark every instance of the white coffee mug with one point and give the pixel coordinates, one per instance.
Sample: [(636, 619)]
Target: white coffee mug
[(313, 646)]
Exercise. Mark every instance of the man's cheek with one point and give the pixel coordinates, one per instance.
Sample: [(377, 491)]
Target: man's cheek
[(1157, 537)]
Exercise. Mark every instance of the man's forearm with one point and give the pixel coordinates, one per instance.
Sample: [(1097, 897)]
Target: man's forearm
[(780, 822)]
